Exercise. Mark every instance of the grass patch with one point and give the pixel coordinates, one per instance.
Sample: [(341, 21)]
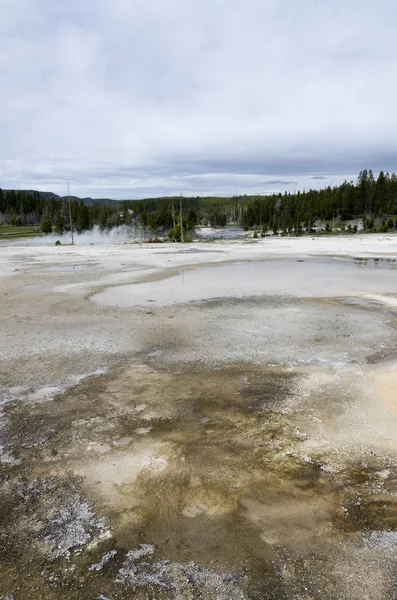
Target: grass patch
[(11, 232)]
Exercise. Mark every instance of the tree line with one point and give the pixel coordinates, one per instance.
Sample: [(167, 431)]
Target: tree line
[(51, 213), (373, 200)]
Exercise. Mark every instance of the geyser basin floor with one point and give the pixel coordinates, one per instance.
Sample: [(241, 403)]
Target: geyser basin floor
[(233, 449)]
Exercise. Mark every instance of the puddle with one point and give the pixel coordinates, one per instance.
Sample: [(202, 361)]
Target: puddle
[(67, 268), (310, 278), (388, 263)]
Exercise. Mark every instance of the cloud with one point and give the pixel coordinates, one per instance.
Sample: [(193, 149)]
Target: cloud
[(128, 99)]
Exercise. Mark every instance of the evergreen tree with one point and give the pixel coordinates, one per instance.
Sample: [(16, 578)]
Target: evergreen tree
[(83, 218), (59, 222), (46, 226)]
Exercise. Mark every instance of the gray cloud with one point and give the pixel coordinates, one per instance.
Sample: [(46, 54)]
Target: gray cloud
[(129, 99)]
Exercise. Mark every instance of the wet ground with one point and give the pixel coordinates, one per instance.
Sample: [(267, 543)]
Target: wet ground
[(303, 278), (232, 446)]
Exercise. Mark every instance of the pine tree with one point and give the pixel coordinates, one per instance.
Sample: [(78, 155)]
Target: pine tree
[(83, 218), (46, 226), (59, 222), (380, 194)]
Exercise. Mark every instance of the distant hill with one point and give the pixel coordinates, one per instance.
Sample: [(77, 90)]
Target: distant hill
[(92, 201), (52, 196)]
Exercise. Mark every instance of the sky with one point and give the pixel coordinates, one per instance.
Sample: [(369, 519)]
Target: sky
[(142, 98)]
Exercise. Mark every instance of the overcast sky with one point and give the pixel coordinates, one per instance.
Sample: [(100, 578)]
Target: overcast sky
[(135, 98)]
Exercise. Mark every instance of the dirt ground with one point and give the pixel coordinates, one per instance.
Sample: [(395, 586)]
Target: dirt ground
[(232, 447)]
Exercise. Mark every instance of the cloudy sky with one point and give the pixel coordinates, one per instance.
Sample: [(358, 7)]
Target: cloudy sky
[(135, 98)]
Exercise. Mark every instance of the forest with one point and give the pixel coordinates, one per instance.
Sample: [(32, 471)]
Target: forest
[(372, 200)]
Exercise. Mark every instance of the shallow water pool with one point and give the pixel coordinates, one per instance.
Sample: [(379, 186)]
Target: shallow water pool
[(300, 278)]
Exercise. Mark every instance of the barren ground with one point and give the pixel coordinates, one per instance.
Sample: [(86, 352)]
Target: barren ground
[(213, 421)]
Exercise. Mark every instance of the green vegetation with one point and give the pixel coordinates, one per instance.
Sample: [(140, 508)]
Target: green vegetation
[(50, 212), (10, 232), (372, 201), (46, 226)]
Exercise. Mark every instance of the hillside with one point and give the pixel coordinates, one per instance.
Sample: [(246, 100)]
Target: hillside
[(51, 195)]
